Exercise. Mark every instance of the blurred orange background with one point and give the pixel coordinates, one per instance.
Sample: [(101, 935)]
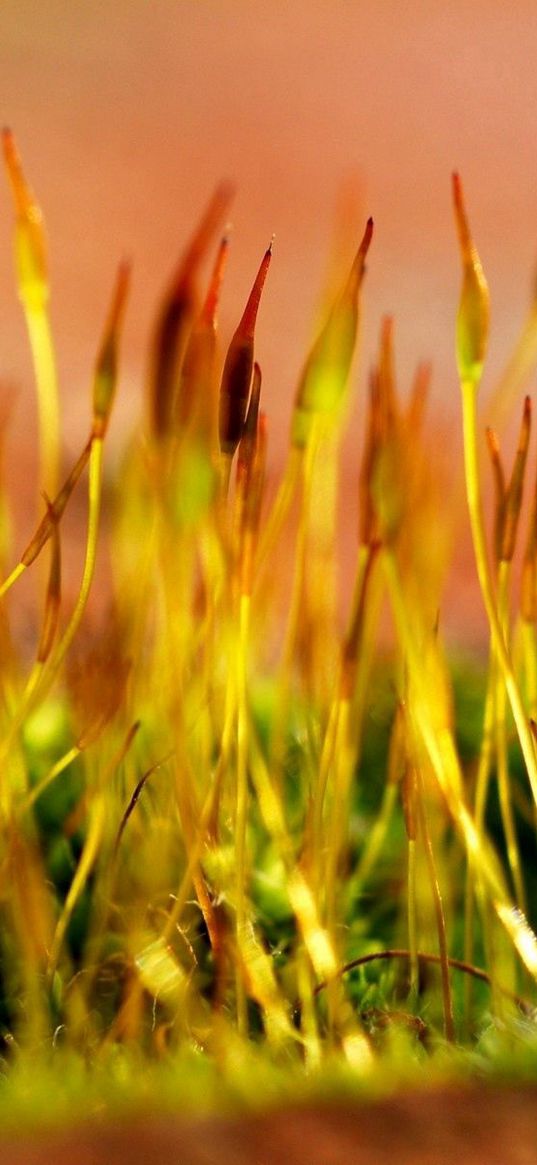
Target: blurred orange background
[(128, 112)]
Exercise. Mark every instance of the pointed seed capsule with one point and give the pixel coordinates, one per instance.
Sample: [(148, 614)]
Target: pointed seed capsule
[(30, 244), (325, 374), (175, 320), (195, 395), (474, 305), (238, 367)]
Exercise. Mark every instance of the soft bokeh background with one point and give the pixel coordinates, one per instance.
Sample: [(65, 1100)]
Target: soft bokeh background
[(127, 112)]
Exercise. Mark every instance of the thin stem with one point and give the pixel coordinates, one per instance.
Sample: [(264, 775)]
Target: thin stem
[(504, 782), (481, 791), (475, 506), (449, 1023), (412, 919), (281, 505), (241, 813)]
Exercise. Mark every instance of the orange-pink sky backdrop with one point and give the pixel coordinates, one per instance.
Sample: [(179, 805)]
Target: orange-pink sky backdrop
[(128, 111)]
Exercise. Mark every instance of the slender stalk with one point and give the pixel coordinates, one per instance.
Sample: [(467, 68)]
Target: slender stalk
[(43, 673), (529, 648), (438, 742), (281, 505), (449, 1023), (475, 506), (241, 812), (481, 791), (504, 782), (41, 344), (412, 919), (57, 769), (94, 508)]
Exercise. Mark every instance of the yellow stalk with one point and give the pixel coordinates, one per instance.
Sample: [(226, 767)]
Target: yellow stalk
[(475, 506), (412, 919), (377, 834), (281, 504), (38, 324), (472, 884), (449, 1024), (504, 782), (61, 765), (309, 1026), (439, 744), (94, 508), (335, 834), (33, 286), (12, 578), (88, 858), (241, 812), (529, 649), (43, 673)]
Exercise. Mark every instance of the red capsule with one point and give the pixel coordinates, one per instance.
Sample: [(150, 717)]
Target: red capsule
[(176, 317), (195, 397), (238, 367)]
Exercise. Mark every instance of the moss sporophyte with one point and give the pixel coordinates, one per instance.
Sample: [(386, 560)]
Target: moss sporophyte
[(227, 822)]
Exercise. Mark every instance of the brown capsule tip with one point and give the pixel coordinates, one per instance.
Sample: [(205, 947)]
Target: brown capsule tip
[(120, 292), (368, 235), (247, 324), (358, 267), (525, 427), (206, 228)]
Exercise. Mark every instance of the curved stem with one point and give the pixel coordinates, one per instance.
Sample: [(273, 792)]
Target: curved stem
[(455, 964)]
